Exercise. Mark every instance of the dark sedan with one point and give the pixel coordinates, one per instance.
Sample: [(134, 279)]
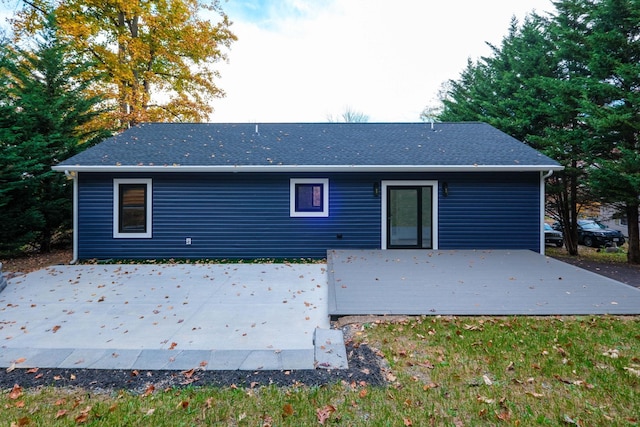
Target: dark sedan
[(552, 237), (592, 233)]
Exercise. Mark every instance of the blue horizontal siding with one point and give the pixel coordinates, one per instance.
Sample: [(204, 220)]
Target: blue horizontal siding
[(247, 215), (229, 216), (498, 211)]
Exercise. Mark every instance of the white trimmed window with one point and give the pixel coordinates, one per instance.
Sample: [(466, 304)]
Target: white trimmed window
[(309, 197), (132, 208)]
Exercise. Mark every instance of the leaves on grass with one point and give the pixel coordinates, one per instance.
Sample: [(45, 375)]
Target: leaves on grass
[(83, 417), (15, 392), (487, 380), (323, 414), (534, 394), (574, 382), (287, 410), (633, 370)]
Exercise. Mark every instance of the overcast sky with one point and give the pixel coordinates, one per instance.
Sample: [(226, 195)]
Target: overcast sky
[(306, 60)]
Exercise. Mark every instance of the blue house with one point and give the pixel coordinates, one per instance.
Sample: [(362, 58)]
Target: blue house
[(294, 190)]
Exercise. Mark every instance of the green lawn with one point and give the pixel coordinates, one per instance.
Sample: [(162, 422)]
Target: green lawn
[(459, 371)]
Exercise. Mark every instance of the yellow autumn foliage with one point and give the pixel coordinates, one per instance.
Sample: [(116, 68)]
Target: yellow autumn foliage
[(155, 57)]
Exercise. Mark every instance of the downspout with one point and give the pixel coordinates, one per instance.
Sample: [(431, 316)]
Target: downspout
[(542, 204), (74, 177)]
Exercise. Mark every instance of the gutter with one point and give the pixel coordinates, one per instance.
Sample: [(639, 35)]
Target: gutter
[(74, 176), (543, 200), (311, 168)]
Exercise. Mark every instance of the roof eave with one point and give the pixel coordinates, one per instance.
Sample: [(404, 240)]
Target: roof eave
[(311, 168)]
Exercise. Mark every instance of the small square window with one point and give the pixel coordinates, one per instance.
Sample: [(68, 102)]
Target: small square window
[(309, 197), (131, 208)]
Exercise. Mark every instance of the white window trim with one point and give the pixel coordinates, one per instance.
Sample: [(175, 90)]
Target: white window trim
[(325, 197), (116, 210), (434, 209)]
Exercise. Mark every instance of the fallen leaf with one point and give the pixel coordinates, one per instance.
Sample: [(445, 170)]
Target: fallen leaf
[(567, 419), (83, 417), (15, 392), (484, 399), (287, 410), (61, 413), (504, 415), (407, 422), (325, 413), (633, 371), (56, 328), (173, 345), (150, 389)]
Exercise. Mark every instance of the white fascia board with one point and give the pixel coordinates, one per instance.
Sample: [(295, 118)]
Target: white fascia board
[(313, 168)]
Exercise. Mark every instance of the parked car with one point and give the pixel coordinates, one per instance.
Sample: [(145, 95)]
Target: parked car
[(552, 237), (592, 233)]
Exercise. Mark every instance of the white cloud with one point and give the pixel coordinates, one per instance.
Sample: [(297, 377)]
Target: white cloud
[(300, 60)]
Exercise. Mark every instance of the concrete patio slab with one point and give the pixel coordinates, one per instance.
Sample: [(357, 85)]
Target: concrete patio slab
[(213, 316), (469, 282)]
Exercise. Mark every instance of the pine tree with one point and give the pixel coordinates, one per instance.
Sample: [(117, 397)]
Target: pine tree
[(45, 110), (524, 89), (613, 109)]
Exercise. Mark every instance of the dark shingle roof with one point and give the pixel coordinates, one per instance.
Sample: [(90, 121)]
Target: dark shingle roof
[(280, 146)]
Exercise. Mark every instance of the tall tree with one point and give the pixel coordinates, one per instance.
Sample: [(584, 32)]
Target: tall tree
[(563, 134), (155, 56), (613, 109), (523, 89), (44, 111), (570, 87)]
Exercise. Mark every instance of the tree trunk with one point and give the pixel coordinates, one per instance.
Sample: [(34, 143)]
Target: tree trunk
[(45, 241), (633, 255)]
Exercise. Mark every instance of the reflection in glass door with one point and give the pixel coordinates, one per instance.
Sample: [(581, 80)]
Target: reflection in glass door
[(409, 217)]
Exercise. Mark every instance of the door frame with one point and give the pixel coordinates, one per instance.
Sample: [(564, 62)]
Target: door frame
[(434, 208)]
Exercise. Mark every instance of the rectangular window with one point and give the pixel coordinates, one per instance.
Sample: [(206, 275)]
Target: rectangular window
[(132, 208), (309, 197)]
